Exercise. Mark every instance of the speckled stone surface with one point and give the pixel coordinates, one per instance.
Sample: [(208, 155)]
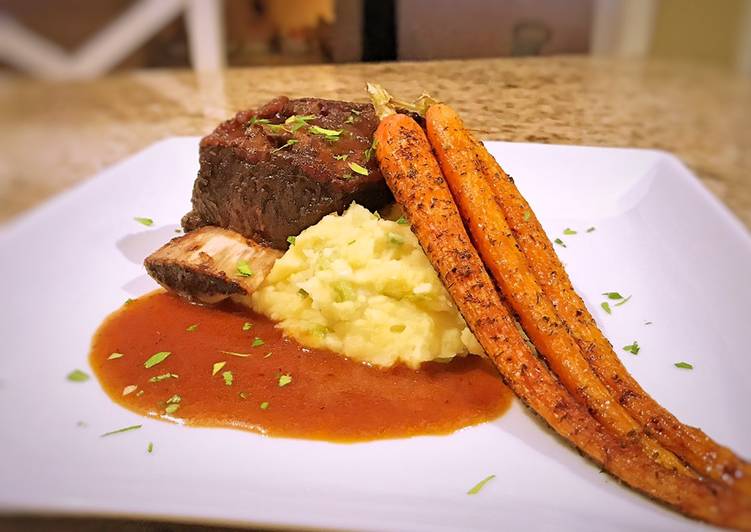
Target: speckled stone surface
[(54, 135)]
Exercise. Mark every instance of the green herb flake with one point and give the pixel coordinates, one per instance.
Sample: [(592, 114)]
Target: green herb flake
[(474, 490), (257, 342), (284, 380), (683, 365), (290, 142), (148, 222), (623, 302), (191, 328), (370, 151), (527, 215), (342, 157), (264, 405), (351, 242), (243, 268), (228, 378), (247, 326), (569, 231), (217, 367), (395, 239), (164, 376), (320, 330), (402, 221), (291, 240), (171, 408), (589, 230), (359, 169), (128, 301), (174, 399), (633, 348), (129, 389), (606, 307), (299, 119), (78, 376), (150, 448), (156, 359), (559, 242), (120, 431), (350, 120), (236, 354), (115, 356), (303, 292), (612, 295), (276, 128), (255, 120), (328, 134)]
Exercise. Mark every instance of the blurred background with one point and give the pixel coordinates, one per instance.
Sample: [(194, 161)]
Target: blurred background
[(79, 39)]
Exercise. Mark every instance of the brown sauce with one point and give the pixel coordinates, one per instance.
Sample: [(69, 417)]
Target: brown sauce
[(329, 397)]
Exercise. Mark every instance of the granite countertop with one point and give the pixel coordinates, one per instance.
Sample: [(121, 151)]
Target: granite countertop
[(54, 135)]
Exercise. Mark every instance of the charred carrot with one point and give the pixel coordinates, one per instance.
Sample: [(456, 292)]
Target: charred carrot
[(413, 174), (706, 456), (537, 316)]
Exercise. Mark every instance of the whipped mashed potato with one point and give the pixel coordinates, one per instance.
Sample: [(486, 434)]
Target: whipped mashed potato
[(362, 287)]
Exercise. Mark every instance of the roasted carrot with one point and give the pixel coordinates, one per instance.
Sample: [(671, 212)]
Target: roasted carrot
[(413, 174), (706, 456), (509, 268)]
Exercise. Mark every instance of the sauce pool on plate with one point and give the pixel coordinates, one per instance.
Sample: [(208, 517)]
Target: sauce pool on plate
[(162, 357)]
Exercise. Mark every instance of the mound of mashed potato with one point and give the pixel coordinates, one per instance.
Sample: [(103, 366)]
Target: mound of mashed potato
[(362, 287)]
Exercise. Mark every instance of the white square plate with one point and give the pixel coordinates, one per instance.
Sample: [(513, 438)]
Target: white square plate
[(659, 236)]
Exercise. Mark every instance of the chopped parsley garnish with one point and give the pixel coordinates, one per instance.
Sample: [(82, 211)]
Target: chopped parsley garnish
[(591, 229), (174, 399), (228, 378), (276, 128), (341, 157), (612, 295), (683, 365), (328, 134), (128, 301), (559, 242), (164, 376), (474, 490), (171, 408), (395, 239), (191, 328), (355, 112), (284, 380), (303, 292), (217, 367), (351, 242), (78, 376), (243, 268), (120, 431), (350, 120), (297, 119), (358, 169), (247, 326), (257, 342), (115, 356), (633, 348), (569, 231), (264, 405), (370, 151), (148, 222), (291, 240), (129, 389), (606, 307), (402, 221), (320, 330), (150, 448), (156, 359), (290, 142), (255, 120), (527, 215), (623, 302)]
